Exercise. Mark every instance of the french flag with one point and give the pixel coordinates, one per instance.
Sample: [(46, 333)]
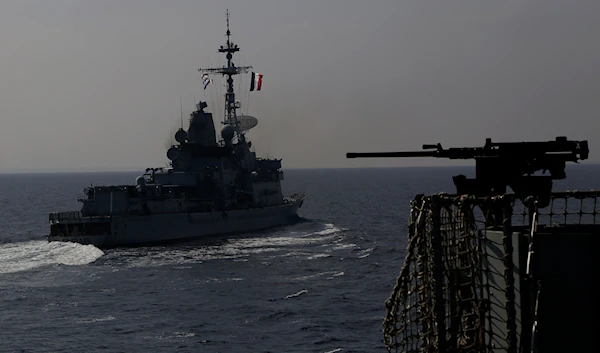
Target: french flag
[(256, 82)]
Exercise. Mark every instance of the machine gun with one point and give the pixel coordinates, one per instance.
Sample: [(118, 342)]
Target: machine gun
[(502, 164)]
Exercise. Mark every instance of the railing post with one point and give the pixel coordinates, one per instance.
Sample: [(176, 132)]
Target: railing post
[(438, 273), (511, 334), (528, 286)]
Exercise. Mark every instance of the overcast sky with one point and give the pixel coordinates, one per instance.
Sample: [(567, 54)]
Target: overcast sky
[(97, 84)]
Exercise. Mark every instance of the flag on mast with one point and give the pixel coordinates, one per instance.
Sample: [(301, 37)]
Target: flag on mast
[(256, 82), (206, 80)]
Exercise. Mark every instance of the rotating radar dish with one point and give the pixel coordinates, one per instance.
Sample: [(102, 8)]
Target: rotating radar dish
[(245, 122)]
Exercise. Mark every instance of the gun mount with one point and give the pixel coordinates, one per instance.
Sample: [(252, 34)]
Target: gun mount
[(502, 164)]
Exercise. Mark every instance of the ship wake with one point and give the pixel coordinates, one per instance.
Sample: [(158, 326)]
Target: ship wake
[(23, 256)]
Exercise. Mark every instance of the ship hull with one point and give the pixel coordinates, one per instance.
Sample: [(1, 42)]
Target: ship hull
[(132, 230)]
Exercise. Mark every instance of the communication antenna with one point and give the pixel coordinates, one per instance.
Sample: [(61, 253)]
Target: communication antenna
[(227, 16), (171, 130), (181, 106)]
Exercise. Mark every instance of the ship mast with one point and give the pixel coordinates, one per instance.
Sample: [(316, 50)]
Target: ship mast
[(230, 70)]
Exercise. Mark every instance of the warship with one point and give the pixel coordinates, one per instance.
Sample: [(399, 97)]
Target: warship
[(210, 187), (504, 264)]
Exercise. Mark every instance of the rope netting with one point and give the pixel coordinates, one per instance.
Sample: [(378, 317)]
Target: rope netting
[(456, 290)]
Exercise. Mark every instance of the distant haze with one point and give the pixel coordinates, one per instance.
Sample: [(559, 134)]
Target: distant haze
[(96, 85)]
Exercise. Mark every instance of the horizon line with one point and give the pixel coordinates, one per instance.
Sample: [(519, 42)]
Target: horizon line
[(126, 170)]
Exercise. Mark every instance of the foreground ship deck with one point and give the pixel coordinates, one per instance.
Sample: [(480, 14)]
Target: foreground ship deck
[(211, 187), (482, 273), (523, 282)]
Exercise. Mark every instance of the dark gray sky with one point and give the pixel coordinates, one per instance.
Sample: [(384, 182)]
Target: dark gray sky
[(96, 84)]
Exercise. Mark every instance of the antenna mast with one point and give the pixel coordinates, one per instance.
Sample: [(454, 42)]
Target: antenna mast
[(230, 70), (171, 130)]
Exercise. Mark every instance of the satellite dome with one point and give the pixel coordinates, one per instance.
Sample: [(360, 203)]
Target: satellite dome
[(180, 136), (173, 153), (140, 181), (227, 132)]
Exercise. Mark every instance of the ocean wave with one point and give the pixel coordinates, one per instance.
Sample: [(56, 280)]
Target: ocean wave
[(334, 351), (365, 253), (318, 256), (173, 336), (337, 274), (344, 246), (327, 274), (95, 319), (329, 229), (296, 294)]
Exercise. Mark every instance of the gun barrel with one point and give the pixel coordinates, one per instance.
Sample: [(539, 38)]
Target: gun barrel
[(391, 154)]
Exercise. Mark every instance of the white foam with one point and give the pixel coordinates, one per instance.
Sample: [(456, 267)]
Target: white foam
[(318, 256), (172, 336), (329, 229), (221, 280), (365, 253), (296, 294), (337, 274), (16, 257), (272, 243), (329, 274), (334, 351), (344, 246), (95, 319), (239, 249)]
